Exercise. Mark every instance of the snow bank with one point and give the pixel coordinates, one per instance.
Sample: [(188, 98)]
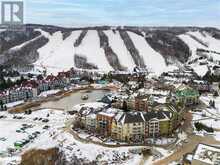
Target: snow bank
[(48, 93), (13, 104)]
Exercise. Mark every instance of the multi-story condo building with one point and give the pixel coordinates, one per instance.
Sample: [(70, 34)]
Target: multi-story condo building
[(104, 121), (128, 127), (185, 95), (137, 103)]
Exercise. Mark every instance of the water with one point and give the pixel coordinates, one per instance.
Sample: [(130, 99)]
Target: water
[(75, 98)]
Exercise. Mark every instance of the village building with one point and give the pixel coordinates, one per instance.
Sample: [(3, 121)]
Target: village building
[(174, 113), (16, 94), (104, 121), (201, 86), (129, 127), (157, 123), (138, 103), (138, 126), (185, 95)]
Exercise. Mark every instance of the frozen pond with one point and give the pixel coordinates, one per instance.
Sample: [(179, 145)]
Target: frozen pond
[(75, 98)]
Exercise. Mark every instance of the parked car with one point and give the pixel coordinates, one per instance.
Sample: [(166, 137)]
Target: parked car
[(37, 132), (45, 120), (36, 118), (3, 117), (19, 144), (46, 127), (3, 139)]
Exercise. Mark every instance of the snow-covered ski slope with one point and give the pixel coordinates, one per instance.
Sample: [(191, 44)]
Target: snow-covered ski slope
[(120, 49), (90, 49), (58, 54), (201, 40), (152, 59), (211, 43)]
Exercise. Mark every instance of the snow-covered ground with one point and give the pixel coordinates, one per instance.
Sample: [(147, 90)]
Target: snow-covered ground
[(48, 93), (12, 131), (58, 54), (209, 116), (54, 136), (13, 104), (150, 56), (94, 105), (118, 46), (200, 70), (90, 49), (92, 152), (192, 44), (198, 40), (211, 42), (158, 154)]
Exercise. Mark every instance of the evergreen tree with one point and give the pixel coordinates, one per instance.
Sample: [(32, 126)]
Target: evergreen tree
[(212, 103), (215, 94), (125, 106), (5, 108), (1, 105)]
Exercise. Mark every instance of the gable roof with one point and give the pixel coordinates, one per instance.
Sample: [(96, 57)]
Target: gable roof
[(131, 117)]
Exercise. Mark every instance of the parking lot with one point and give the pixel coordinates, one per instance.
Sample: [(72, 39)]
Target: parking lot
[(20, 130)]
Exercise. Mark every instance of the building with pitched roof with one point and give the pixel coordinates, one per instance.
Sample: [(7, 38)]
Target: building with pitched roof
[(185, 95)]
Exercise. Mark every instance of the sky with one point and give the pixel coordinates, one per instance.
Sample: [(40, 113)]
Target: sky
[(123, 12)]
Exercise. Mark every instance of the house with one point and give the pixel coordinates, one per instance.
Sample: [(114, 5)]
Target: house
[(16, 94), (20, 93), (107, 99), (185, 95), (216, 70), (201, 86), (42, 86), (215, 86), (64, 78), (206, 155)]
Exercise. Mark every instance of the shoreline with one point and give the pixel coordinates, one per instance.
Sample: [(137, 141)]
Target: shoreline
[(35, 104)]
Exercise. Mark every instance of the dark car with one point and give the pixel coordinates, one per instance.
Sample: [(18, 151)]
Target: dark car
[(36, 118), (2, 117), (46, 127), (45, 120)]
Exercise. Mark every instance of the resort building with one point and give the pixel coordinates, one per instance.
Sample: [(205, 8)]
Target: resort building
[(129, 127), (104, 121), (185, 95), (137, 103)]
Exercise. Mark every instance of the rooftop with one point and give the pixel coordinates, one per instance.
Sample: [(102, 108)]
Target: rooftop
[(207, 154), (186, 91)]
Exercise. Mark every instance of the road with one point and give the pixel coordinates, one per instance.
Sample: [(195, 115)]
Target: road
[(193, 141)]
